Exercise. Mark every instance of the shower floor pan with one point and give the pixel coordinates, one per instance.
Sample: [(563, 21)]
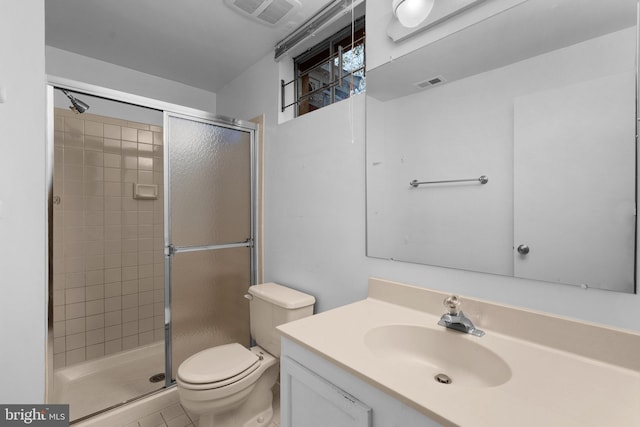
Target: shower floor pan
[(93, 386)]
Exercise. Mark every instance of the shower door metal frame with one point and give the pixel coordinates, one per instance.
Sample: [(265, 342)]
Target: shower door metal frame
[(167, 108), (170, 250)]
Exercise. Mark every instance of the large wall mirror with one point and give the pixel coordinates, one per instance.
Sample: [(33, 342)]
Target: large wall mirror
[(541, 99)]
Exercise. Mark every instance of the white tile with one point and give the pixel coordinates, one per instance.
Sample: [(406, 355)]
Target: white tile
[(129, 134), (93, 189), (145, 271), (95, 307), (145, 311), (180, 421), (94, 262), (75, 326), (145, 284), (112, 160), (130, 287), (59, 313), (95, 337), (130, 245), (113, 332), (112, 218), (76, 356), (112, 261), (145, 137), (130, 148), (113, 346), (129, 273), (112, 275), (59, 329), (95, 351), (94, 277), (113, 232), (73, 311), (95, 322), (75, 341), (172, 411), (112, 174), (111, 131), (145, 338), (112, 289), (130, 328), (145, 325), (130, 301), (112, 146), (130, 259), (130, 342), (158, 322), (93, 173), (94, 292), (113, 189), (94, 143), (130, 315), (145, 257), (94, 248), (94, 158), (93, 128), (59, 345), (59, 360), (113, 304), (74, 295), (113, 318), (152, 420)]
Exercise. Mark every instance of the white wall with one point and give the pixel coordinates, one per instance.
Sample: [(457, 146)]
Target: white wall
[(315, 215), (22, 203), (465, 129), (61, 63)]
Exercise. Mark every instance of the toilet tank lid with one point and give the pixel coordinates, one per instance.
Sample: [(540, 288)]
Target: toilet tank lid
[(281, 295)]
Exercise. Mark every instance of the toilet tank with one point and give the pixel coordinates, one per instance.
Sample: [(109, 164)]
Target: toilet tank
[(272, 305)]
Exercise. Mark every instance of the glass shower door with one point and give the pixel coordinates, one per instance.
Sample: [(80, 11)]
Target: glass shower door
[(209, 234)]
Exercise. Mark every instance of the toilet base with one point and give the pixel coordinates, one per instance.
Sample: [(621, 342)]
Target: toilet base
[(263, 419), (253, 410)]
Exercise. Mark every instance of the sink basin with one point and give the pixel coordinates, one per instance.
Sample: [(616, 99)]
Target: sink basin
[(424, 353)]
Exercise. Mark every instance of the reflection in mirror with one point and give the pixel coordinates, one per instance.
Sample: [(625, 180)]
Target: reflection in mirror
[(541, 99)]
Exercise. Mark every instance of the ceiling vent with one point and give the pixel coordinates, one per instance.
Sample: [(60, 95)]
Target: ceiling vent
[(438, 80), (269, 12)]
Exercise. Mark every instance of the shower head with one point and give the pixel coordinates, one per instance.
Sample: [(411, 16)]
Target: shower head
[(77, 105)]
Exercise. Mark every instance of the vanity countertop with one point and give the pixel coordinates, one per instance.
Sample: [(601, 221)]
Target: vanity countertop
[(562, 372)]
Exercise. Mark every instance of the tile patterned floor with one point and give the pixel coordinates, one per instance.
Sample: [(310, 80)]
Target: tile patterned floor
[(176, 416)]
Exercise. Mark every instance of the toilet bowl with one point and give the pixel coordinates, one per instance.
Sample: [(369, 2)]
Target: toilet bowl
[(222, 397), (230, 385)]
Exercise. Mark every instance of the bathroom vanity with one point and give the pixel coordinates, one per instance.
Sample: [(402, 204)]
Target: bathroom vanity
[(384, 361)]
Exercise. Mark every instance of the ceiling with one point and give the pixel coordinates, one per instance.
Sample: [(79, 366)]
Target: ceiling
[(201, 43)]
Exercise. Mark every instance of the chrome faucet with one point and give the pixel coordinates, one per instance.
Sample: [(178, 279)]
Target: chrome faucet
[(455, 318)]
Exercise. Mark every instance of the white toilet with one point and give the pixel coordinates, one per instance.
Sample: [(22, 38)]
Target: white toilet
[(230, 385)]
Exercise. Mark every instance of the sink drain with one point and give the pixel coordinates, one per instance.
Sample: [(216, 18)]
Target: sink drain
[(443, 379), (156, 378)]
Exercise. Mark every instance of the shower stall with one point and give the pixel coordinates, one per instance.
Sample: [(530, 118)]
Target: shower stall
[(152, 234)]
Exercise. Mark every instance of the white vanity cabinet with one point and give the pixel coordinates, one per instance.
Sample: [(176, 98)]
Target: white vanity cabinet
[(316, 393)]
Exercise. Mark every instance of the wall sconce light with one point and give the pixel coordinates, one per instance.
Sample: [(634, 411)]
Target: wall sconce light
[(411, 13)]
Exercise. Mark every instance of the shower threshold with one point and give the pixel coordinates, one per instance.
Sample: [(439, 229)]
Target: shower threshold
[(94, 386)]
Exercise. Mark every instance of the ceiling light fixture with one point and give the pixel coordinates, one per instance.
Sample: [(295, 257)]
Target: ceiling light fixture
[(411, 13)]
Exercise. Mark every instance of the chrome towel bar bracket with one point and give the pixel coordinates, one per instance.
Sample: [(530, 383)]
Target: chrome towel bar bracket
[(483, 180)]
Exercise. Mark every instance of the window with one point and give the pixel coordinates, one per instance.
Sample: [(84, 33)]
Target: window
[(330, 71)]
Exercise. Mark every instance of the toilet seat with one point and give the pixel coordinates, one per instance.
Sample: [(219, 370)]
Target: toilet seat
[(217, 367)]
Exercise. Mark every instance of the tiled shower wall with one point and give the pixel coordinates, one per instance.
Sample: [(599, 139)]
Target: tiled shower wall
[(108, 264)]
